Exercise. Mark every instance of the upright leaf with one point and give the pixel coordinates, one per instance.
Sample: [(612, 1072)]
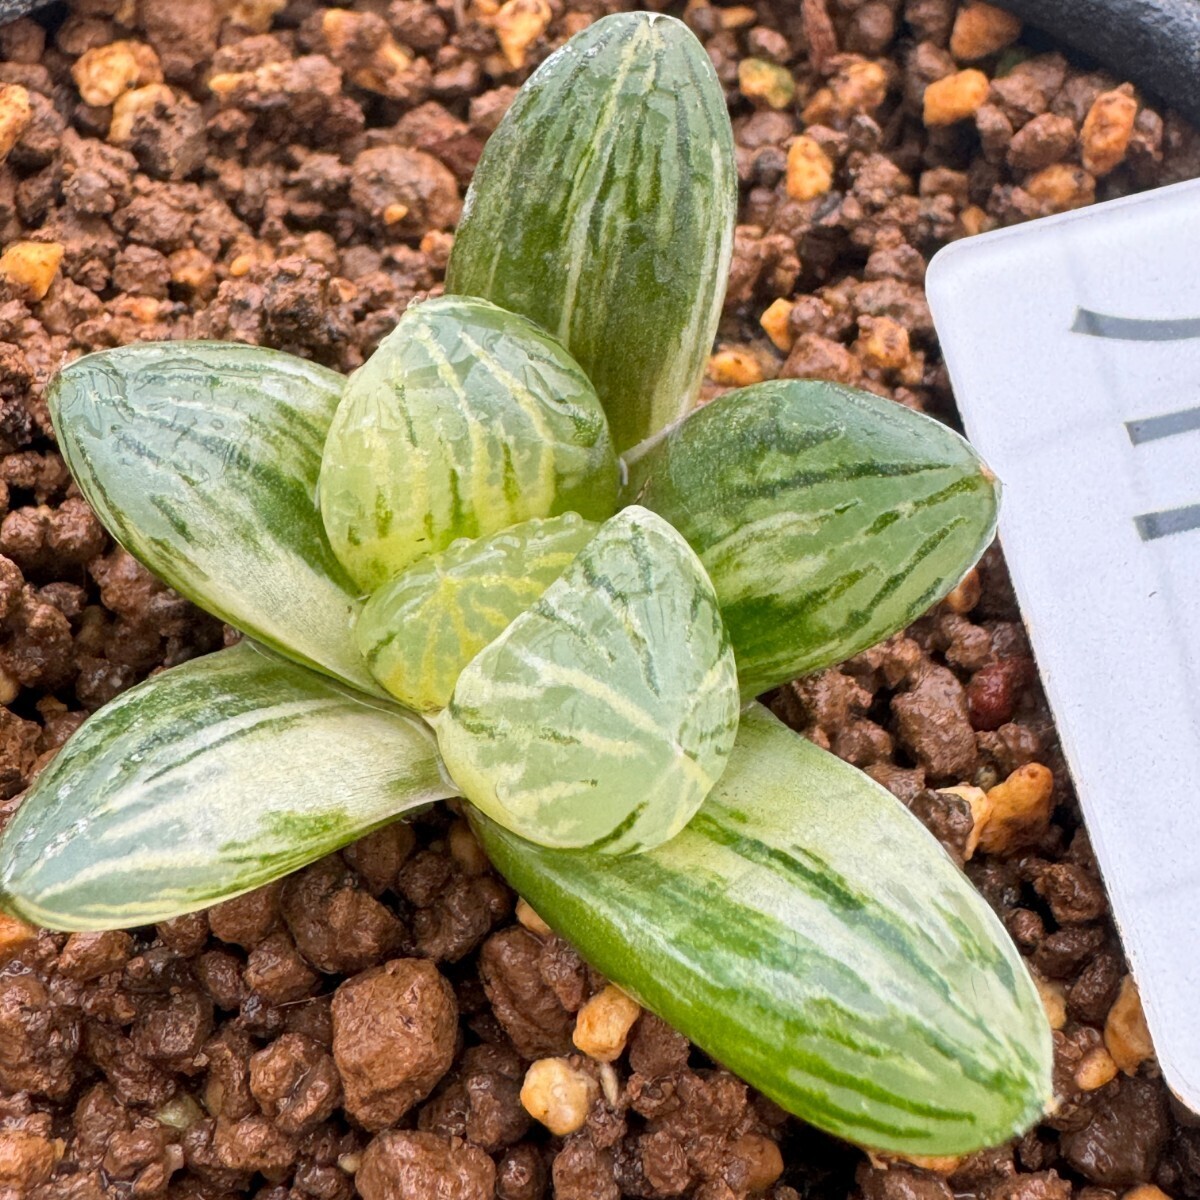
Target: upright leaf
[(808, 933), (202, 459), (418, 632), (602, 716), (466, 420), (603, 208), (203, 782), (827, 518)]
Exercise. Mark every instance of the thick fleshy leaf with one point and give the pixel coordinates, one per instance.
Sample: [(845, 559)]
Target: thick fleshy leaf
[(418, 632), (827, 518), (602, 716), (808, 933), (203, 782), (201, 458), (466, 420), (603, 208)]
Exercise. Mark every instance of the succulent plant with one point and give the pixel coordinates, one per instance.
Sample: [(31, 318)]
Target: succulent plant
[(450, 586)]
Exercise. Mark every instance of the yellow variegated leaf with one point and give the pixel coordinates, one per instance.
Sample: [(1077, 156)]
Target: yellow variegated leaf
[(466, 420), (603, 715), (419, 631)]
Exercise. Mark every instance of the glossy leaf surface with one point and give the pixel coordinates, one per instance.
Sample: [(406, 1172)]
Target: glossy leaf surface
[(603, 715), (201, 459), (827, 518), (466, 420), (205, 781), (808, 933), (603, 208), (418, 632)]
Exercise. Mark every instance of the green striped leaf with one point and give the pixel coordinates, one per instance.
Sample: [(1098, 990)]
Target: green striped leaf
[(201, 459), (466, 420), (827, 518), (418, 632), (603, 715), (203, 782), (808, 933), (603, 208)]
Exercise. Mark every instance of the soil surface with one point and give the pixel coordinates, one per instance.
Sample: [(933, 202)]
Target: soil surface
[(284, 172)]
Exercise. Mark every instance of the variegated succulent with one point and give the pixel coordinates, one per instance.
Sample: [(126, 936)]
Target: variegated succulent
[(450, 585)]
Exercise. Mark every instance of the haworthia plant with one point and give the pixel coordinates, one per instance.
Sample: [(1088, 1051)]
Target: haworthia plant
[(466, 420), (603, 208), (873, 993), (603, 715), (419, 631), (205, 781), (827, 518), (202, 461), (802, 927)]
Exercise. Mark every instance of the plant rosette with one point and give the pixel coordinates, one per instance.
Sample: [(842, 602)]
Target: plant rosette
[(450, 585)]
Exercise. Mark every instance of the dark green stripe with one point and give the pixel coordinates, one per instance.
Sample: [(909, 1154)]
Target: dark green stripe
[(619, 831)]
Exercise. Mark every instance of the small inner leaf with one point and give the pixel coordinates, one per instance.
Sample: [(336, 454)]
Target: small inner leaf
[(603, 715), (466, 420), (418, 632)]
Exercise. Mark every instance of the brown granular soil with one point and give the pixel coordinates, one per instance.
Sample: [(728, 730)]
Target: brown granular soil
[(283, 172)]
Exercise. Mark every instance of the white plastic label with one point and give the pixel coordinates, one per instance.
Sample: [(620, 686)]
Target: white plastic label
[(1074, 347)]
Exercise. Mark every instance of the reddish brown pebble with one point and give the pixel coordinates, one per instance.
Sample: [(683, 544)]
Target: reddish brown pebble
[(421, 1166), (394, 1030)]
